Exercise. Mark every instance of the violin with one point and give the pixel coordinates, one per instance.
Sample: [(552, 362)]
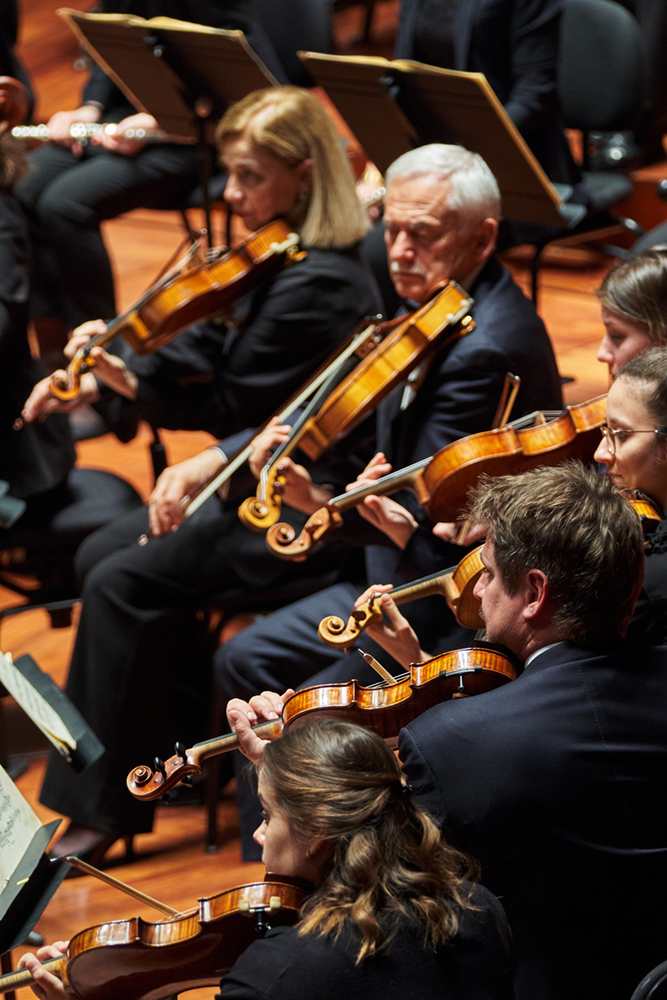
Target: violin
[(330, 417), (133, 959), (384, 708), (456, 585), (443, 481), (646, 511), (189, 292), (356, 346)]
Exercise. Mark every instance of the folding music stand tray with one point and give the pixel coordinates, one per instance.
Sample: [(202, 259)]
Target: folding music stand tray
[(394, 106), (185, 75)]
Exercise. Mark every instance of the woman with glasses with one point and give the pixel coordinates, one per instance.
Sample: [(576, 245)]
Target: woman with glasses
[(634, 450)]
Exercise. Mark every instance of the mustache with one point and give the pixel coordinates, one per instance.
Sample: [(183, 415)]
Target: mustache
[(415, 269)]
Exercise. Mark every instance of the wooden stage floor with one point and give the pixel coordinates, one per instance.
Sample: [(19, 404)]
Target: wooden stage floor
[(173, 865)]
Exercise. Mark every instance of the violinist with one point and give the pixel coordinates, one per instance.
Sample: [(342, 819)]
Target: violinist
[(551, 781), (140, 624), (72, 189), (633, 450), (633, 302), (390, 914), (441, 217)]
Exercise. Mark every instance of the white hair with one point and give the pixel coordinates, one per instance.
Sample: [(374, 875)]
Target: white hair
[(475, 191)]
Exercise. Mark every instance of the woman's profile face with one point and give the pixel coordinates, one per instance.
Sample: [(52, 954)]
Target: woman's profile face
[(260, 187), (282, 852), (640, 460), (623, 340)]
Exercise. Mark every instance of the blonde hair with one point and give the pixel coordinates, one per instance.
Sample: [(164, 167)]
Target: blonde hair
[(390, 866), (292, 125)]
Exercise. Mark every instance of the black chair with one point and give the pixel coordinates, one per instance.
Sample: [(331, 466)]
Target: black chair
[(654, 985), (602, 83), (37, 553)]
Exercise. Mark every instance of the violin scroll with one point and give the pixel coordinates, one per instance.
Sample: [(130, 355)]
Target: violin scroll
[(341, 635), (262, 511), (148, 783), (284, 542)]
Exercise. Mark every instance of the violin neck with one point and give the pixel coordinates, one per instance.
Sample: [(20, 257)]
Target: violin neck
[(223, 744), (428, 585), (15, 980), (302, 425), (408, 478)]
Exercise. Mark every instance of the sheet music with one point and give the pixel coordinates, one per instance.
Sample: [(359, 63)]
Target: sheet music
[(18, 825), (36, 707)]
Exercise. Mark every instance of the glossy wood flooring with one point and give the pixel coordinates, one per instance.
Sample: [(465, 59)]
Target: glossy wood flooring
[(173, 864)]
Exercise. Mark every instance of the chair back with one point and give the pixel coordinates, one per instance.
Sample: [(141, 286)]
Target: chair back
[(602, 67), (654, 985)]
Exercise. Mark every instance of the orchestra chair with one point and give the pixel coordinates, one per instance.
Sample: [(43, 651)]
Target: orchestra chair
[(602, 80), (37, 552), (654, 985)]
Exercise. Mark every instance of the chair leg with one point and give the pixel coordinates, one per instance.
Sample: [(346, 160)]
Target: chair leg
[(534, 274), (368, 20)]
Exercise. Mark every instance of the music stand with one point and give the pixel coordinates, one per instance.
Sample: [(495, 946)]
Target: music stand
[(394, 106), (184, 75)]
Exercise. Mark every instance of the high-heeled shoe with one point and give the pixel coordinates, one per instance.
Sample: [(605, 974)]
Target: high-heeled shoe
[(89, 845)]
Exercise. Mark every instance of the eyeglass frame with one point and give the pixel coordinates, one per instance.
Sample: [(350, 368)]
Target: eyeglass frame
[(609, 434)]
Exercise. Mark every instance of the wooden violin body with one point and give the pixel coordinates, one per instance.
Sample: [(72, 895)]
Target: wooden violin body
[(139, 960), (185, 296), (383, 708), (442, 483), (455, 585), (362, 389)]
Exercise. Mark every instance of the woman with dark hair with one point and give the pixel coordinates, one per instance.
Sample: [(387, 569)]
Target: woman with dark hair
[(391, 914)]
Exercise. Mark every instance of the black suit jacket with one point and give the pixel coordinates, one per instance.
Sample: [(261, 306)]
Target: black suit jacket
[(459, 396), (557, 783), (37, 458), (515, 44)]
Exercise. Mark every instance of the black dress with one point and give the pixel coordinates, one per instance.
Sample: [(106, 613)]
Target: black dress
[(476, 966)]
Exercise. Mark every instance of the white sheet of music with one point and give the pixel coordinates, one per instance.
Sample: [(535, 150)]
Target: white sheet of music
[(18, 825), (35, 706)]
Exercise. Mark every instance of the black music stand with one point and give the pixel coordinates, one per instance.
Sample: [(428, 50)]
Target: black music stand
[(184, 75), (394, 106)]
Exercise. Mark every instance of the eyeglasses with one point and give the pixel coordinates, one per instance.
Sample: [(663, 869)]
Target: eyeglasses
[(611, 435)]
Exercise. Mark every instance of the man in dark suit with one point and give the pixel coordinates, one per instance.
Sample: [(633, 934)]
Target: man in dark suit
[(441, 214), (555, 781), (515, 44)]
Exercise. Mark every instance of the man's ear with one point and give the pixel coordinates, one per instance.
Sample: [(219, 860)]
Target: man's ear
[(536, 594), (486, 239)]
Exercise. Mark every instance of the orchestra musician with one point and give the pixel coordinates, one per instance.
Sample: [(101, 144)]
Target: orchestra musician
[(390, 914), (140, 621), (72, 189), (633, 302), (551, 781), (441, 217)]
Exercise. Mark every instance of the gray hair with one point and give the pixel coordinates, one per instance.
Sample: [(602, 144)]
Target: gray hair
[(475, 191)]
